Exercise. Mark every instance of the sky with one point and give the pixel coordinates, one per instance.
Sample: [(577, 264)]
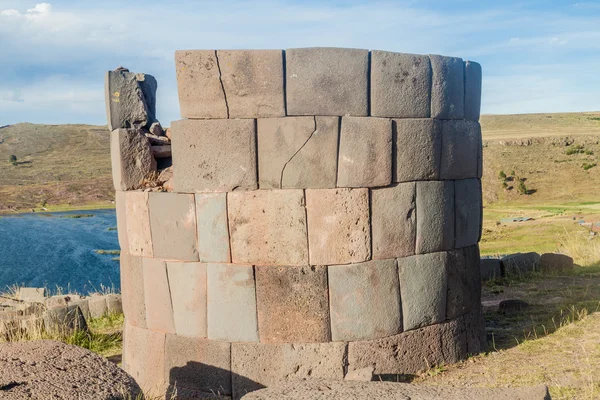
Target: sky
[(537, 56)]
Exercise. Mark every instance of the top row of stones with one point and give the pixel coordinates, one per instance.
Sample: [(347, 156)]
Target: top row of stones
[(326, 81)]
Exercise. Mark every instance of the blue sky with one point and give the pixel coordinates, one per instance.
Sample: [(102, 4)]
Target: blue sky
[(537, 56)]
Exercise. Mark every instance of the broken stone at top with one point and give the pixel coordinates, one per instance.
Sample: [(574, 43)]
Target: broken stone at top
[(130, 99)]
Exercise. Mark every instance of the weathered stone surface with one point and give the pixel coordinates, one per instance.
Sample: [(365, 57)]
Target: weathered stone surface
[(490, 268), (212, 229), (447, 87), (60, 300), (327, 81), (30, 294), (132, 289), (512, 306), (137, 220), (132, 160), (393, 221), (163, 151), (292, 304), (149, 86), (423, 287), (45, 369), (121, 221), (520, 263), (461, 146), (365, 154), (98, 306), (144, 359), (157, 296), (198, 364), (297, 152), (464, 281), (187, 284), (400, 85), (126, 106), (156, 129), (338, 226), (231, 303), (551, 262), (199, 84), (268, 227), (435, 216), (173, 226), (255, 365), (114, 304), (475, 331), (64, 320), (190, 394), (363, 375), (364, 300), (468, 207), (84, 307), (253, 82), (214, 155), (473, 78), (417, 149)]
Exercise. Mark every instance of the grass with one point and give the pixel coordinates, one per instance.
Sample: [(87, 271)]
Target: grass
[(114, 252)]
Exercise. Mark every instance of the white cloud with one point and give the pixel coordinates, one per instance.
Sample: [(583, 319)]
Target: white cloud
[(42, 8)]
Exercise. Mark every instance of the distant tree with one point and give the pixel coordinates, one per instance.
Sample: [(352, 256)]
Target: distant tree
[(13, 159)]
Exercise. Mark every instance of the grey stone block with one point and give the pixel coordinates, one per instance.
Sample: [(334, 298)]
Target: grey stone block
[(84, 307), (132, 289), (551, 262), (393, 221), (327, 81), (114, 304), (475, 331), (461, 149), (149, 86), (297, 152), (435, 216), (64, 320), (34, 295), (253, 82), (130, 99), (364, 300), (464, 281), (187, 284), (98, 306), (132, 160), (447, 87), (400, 85), (468, 203), (473, 76), (365, 152), (490, 268), (520, 263), (212, 229), (214, 155), (157, 296), (417, 149), (423, 287)]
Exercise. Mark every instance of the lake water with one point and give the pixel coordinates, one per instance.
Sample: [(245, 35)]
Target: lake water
[(55, 249)]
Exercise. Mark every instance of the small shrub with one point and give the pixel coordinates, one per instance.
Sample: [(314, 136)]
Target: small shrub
[(504, 185), (587, 166), (589, 153), (502, 175), (521, 188), (13, 159), (512, 173), (577, 149)]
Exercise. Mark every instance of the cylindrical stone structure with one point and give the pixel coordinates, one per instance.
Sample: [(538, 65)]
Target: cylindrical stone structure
[(325, 217)]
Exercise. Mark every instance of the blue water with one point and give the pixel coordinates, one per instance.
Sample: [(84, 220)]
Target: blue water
[(46, 249)]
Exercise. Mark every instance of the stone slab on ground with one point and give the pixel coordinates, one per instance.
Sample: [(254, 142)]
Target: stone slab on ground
[(30, 294), (417, 149), (490, 268), (98, 306), (64, 320), (552, 262), (520, 263), (447, 87)]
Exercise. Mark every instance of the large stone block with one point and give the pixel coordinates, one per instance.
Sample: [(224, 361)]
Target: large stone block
[(214, 155), (231, 303), (144, 359), (32, 295), (130, 99), (173, 226), (293, 304), (297, 152), (400, 85), (417, 149), (447, 87), (393, 221), (520, 264), (187, 283), (157, 296), (365, 155), (256, 365), (552, 262), (137, 220), (468, 203), (327, 81), (212, 227), (423, 287), (338, 226), (132, 160), (132, 289), (464, 281), (199, 85), (474, 323), (461, 149), (121, 221), (490, 268), (98, 306), (364, 300), (473, 78), (435, 216), (198, 364), (253, 82), (268, 227)]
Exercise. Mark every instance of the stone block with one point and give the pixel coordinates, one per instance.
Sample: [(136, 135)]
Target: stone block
[(520, 264), (393, 221), (98, 306), (121, 221), (114, 304), (551, 262), (131, 158), (447, 87), (292, 303), (490, 268), (199, 84), (173, 226), (256, 365), (461, 149), (137, 220), (180, 393), (149, 86), (338, 226), (128, 100), (132, 289), (400, 85), (468, 207), (253, 82), (212, 227), (327, 81), (423, 287), (32, 295), (157, 296), (435, 216), (473, 78), (365, 154), (84, 308), (61, 300), (364, 300), (464, 281), (231, 303), (187, 284), (416, 149), (268, 227), (64, 320), (297, 152), (198, 364), (474, 324), (214, 155), (144, 359)]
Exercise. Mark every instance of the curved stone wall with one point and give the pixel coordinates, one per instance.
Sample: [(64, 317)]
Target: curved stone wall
[(325, 215)]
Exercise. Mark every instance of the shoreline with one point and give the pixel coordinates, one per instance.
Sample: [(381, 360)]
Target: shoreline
[(60, 208)]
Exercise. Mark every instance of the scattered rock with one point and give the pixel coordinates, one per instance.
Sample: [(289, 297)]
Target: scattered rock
[(162, 151), (165, 174), (490, 268), (31, 294), (512, 306), (157, 140), (363, 375), (168, 132), (520, 264), (64, 320), (556, 262), (157, 129)]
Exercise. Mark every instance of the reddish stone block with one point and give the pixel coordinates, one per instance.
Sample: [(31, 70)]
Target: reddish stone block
[(121, 221), (137, 217), (144, 359), (157, 296)]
